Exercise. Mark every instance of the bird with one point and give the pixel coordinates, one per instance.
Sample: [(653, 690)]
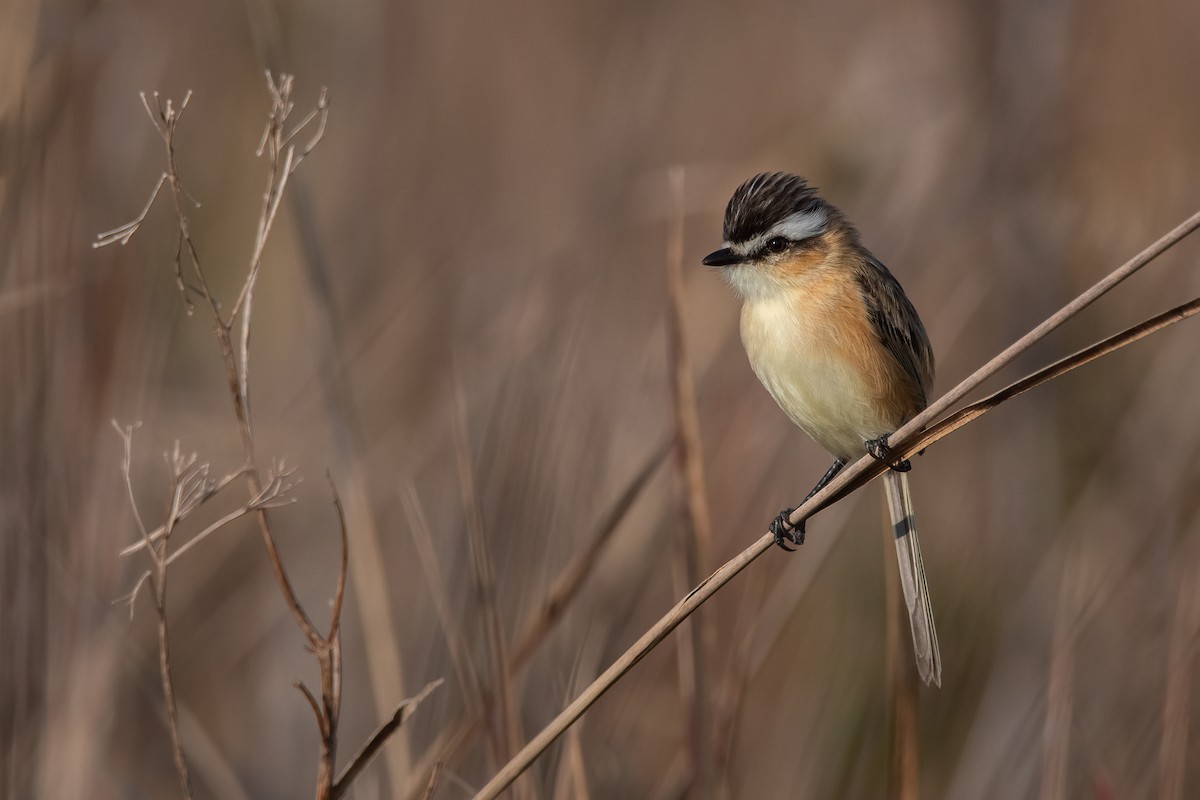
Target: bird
[(835, 341)]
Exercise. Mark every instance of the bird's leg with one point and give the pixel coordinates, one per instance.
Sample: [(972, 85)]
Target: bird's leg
[(782, 526), (881, 451)]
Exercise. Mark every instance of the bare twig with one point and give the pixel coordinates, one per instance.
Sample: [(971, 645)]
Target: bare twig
[(165, 122), (1048, 373), (125, 232), (313, 704), (193, 485), (183, 477), (329, 658), (855, 474), (335, 617), (272, 496), (368, 751), (268, 497)]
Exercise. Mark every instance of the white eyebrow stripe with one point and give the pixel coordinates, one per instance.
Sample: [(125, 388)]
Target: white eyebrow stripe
[(801, 225), (797, 227)]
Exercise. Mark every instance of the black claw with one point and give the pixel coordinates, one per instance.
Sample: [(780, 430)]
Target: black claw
[(881, 451), (785, 531)]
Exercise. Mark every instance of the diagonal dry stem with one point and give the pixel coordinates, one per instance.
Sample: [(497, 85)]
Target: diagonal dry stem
[(389, 726), (853, 476)]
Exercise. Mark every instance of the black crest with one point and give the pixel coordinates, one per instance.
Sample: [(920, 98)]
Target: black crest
[(765, 199)]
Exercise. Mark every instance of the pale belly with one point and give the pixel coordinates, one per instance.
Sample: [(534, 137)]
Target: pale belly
[(818, 388)]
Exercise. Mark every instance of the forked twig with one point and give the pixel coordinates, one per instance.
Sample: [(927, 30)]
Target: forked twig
[(124, 233), (182, 477)]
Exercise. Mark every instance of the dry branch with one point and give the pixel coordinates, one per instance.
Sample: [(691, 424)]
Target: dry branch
[(185, 482), (854, 476), (193, 485)]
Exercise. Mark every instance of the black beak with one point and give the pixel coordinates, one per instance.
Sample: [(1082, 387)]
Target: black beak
[(722, 258)]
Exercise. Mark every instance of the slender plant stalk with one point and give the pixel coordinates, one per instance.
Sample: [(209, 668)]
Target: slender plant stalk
[(506, 733), (183, 481), (694, 554), (537, 628), (855, 473)]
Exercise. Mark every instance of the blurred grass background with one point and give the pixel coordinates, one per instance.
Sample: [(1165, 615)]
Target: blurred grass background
[(492, 200)]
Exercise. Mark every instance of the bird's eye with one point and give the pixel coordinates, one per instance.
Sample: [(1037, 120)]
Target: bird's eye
[(777, 244)]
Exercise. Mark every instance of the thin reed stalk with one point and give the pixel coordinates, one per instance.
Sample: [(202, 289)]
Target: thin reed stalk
[(693, 556), (854, 475)]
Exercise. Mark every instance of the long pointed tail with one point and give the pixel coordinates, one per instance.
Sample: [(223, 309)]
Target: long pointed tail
[(912, 577)]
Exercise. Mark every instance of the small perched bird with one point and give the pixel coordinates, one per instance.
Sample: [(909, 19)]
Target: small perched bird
[(836, 342)]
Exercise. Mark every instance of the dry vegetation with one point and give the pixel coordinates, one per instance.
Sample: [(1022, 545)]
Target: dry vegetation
[(540, 439)]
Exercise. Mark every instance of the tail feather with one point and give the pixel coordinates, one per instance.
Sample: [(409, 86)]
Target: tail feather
[(912, 577)]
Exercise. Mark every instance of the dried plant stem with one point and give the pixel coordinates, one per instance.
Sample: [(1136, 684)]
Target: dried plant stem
[(853, 476), (181, 484), (974, 411), (570, 580), (389, 726), (943, 403), (506, 732), (161, 530), (456, 640), (537, 628), (694, 553), (434, 775), (282, 160)]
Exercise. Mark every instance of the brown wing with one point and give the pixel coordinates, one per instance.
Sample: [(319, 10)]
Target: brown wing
[(898, 327)]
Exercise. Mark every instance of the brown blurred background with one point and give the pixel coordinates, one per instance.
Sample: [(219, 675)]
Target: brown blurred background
[(491, 202)]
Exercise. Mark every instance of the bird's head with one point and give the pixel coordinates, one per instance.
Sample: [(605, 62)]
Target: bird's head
[(777, 229)]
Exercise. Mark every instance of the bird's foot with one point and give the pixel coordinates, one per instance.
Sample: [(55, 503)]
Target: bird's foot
[(881, 451), (785, 531)]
